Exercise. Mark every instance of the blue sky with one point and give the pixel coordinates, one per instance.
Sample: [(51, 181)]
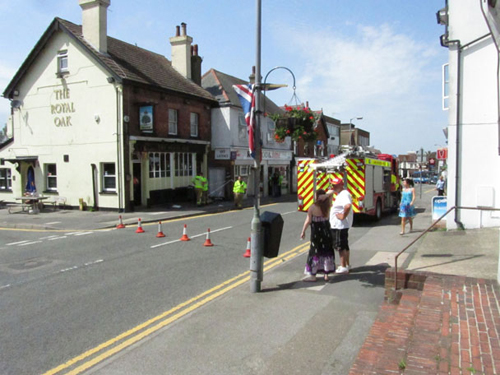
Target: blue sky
[(376, 59)]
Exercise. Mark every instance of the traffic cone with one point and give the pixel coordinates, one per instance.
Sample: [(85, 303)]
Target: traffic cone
[(184, 234), (120, 223), (160, 233), (139, 227), (247, 251), (207, 241)]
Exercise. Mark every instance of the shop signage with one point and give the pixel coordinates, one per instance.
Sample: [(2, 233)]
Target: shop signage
[(63, 108), (222, 154), (146, 118), (276, 155), (439, 206)]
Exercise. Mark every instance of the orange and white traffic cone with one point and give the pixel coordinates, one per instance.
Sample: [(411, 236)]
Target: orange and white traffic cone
[(120, 223), (160, 233), (207, 241), (184, 234), (139, 227), (247, 251)]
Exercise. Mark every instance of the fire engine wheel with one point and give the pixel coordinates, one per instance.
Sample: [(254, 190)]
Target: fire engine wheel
[(378, 210)]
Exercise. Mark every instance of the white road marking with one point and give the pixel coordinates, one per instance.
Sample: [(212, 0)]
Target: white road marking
[(196, 235), (57, 238), (291, 212), (83, 233), (30, 243), (48, 237), (16, 243), (94, 262), (54, 222), (69, 269)]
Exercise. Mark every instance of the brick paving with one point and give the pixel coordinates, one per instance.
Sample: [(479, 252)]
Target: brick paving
[(450, 326)]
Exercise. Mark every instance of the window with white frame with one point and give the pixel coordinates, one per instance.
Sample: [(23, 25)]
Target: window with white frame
[(5, 179), (172, 121), (194, 124), (241, 170), (159, 164), (51, 177), (183, 164), (108, 177), (242, 127), (446, 87), (62, 62)]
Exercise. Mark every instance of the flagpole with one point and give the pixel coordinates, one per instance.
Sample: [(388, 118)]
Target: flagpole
[(257, 251)]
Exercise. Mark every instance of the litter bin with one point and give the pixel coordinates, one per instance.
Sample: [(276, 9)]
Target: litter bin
[(272, 226)]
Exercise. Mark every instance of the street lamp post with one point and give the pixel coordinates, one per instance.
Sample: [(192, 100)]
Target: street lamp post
[(257, 250), (350, 127)]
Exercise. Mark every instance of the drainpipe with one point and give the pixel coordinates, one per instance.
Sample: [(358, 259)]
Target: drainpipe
[(446, 43), (119, 148)]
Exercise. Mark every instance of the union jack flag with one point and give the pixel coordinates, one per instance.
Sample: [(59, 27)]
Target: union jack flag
[(246, 95)]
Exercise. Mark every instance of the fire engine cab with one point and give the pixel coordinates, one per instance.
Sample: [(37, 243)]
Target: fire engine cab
[(372, 180)]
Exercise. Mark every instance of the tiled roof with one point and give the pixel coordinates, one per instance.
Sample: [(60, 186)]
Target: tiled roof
[(136, 64), (124, 61), (220, 85)]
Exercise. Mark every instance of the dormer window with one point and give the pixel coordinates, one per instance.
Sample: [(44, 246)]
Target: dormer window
[(62, 63)]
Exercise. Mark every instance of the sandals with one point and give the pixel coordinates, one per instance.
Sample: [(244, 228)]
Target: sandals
[(326, 277), (401, 233)]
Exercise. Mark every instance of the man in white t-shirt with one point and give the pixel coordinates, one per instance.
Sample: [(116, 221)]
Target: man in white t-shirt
[(341, 218)]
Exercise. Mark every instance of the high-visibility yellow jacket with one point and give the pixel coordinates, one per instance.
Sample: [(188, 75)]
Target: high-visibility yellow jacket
[(198, 182), (240, 187), (204, 183)]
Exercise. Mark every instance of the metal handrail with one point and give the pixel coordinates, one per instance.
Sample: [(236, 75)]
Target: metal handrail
[(427, 230)]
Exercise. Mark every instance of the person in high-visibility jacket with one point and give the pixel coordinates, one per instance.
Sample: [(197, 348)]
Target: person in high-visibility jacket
[(199, 182), (239, 190), (204, 193)]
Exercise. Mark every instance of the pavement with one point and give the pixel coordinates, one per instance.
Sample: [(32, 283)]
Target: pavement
[(445, 321)]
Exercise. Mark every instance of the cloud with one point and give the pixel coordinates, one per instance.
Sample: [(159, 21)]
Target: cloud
[(391, 79)]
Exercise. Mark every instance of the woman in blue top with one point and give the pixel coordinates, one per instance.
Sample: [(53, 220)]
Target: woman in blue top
[(406, 208)]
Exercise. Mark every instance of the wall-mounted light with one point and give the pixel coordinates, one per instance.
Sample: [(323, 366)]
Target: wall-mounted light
[(16, 92), (110, 79), (16, 104), (97, 118), (126, 118), (442, 16)]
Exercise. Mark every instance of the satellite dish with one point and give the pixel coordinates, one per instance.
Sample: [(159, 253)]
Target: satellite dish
[(16, 103)]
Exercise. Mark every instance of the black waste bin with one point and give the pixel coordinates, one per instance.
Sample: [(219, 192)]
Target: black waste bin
[(272, 226)]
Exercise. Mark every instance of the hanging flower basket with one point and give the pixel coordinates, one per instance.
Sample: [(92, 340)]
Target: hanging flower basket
[(296, 122)]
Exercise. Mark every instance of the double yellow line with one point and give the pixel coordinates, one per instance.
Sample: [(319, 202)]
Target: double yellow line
[(132, 336)]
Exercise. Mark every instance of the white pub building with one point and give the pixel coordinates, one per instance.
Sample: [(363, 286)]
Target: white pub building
[(103, 122)]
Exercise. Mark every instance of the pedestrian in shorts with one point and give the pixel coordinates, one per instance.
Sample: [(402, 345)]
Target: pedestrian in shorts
[(341, 218)]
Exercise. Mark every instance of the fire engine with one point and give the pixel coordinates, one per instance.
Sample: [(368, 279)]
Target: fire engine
[(372, 180)]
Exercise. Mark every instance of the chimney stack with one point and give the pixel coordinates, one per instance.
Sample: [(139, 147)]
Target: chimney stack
[(251, 78), (95, 23), (195, 65), (181, 51)]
